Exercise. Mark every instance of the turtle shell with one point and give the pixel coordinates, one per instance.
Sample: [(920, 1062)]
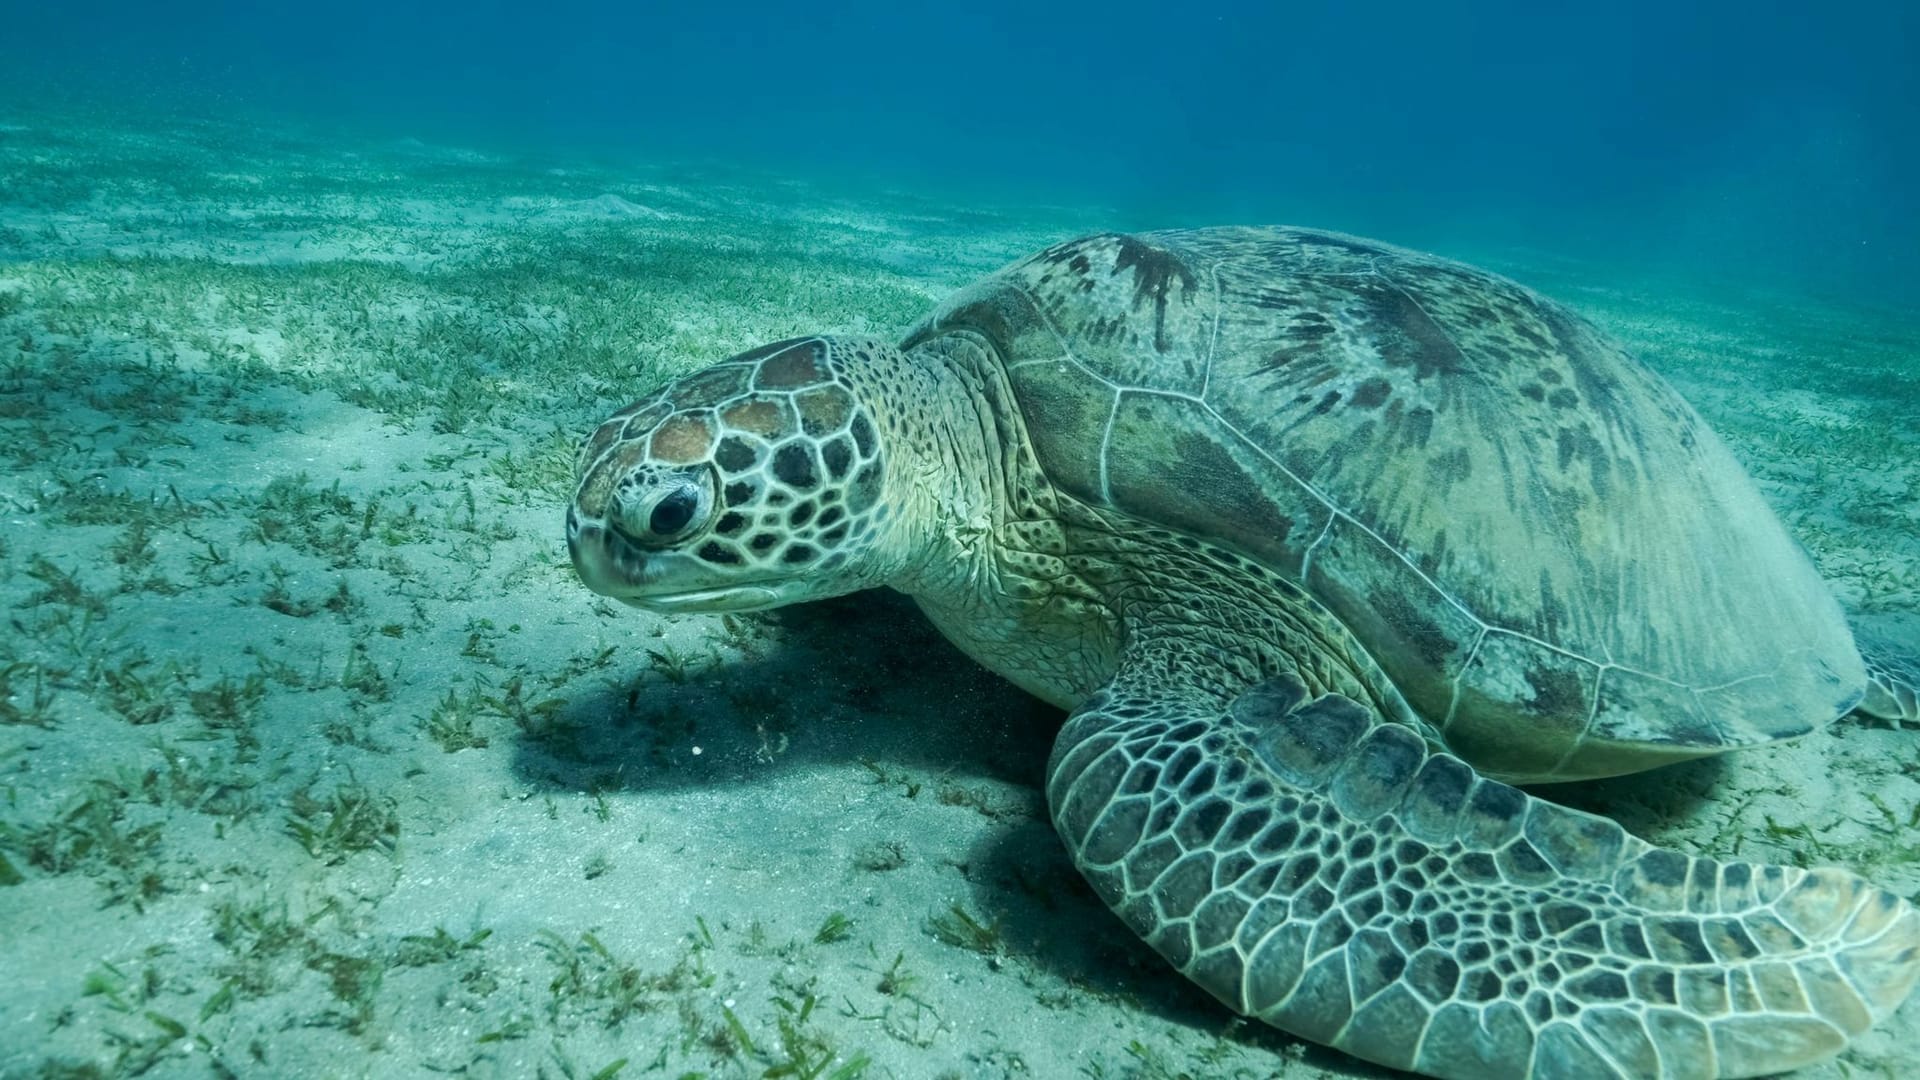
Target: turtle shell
[(1556, 561)]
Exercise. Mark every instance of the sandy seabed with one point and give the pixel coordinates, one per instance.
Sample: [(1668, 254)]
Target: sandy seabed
[(315, 760)]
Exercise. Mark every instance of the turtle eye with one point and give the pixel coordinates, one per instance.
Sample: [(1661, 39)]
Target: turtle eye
[(655, 511), (674, 512)]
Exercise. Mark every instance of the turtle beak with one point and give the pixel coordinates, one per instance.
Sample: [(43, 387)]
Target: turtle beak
[(662, 581), (606, 564)]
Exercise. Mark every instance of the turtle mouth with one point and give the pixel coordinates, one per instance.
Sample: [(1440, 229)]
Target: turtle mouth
[(726, 598), (667, 582)]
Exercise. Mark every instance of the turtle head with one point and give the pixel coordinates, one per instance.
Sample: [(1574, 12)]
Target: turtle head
[(757, 482)]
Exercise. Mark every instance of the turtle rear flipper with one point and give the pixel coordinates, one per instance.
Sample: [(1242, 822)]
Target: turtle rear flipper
[(1319, 868), (1893, 680)]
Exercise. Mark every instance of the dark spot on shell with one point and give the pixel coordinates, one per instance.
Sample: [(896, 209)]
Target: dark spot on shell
[(1419, 425), (1451, 466), (1404, 334), (1534, 392), (1154, 272), (1369, 394), (1568, 446), (1338, 243), (1429, 640), (1563, 398), (1556, 692)]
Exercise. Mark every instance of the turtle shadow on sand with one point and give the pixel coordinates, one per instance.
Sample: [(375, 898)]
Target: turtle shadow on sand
[(888, 689)]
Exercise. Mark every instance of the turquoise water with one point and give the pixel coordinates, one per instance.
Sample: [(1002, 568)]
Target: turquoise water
[(1718, 137)]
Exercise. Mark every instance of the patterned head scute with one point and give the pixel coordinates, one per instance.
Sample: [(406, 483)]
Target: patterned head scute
[(749, 471)]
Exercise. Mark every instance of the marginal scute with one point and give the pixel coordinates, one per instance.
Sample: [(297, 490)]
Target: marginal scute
[(1530, 706)]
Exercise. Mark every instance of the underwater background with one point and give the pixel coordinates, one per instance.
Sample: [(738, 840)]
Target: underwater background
[(1711, 138), (317, 760)]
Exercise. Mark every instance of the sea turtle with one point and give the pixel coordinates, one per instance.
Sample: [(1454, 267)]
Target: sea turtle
[(1322, 543)]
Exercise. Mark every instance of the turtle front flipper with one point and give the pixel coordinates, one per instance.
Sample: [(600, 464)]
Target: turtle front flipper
[(1893, 680), (1319, 868)]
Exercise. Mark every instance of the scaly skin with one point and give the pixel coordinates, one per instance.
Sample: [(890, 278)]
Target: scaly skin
[(1893, 681), (1313, 865)]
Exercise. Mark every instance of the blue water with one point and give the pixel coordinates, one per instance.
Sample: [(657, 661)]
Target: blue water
[(1748, 140)]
